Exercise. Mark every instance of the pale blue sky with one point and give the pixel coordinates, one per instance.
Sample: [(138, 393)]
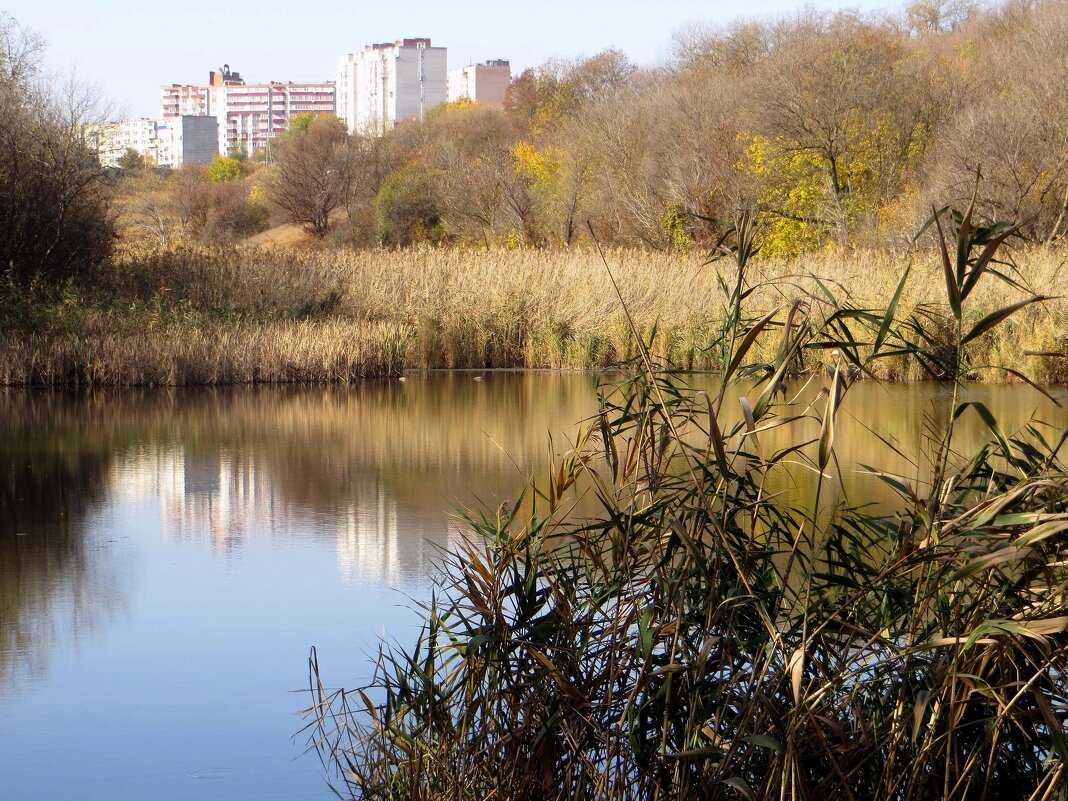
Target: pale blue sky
[(129, 49)]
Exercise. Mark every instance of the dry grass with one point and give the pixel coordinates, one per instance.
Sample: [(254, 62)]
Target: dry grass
[(236, 315), (297, 351)]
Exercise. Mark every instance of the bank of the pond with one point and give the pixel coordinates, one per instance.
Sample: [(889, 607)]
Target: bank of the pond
[(271, 316)]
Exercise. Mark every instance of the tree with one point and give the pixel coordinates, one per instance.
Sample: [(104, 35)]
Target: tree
[(468, 147), (1012, 128), (938, 16), (833, 103), (554, 91), (191, 200), (132, 161), (405, 209), (225, 168), (145, 213), (312, 174), (54, 219)]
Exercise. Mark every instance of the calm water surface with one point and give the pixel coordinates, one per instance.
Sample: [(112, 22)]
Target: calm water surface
[(167, 559)]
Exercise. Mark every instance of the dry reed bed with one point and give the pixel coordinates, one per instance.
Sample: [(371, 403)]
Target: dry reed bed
[(278, 315), (299, 351)]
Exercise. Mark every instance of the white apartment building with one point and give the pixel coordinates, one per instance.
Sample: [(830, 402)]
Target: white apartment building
[(387, 83), (188, 139), (167, 142), (112, 139), (484, 83), (249, 115)]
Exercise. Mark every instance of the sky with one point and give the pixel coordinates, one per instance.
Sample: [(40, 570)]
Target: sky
[(127, 50)]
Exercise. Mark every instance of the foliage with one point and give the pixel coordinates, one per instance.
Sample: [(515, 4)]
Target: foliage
[(792, 193), (132, 161), (708, 633), (224, 168), (405, 211), (185, 207), (52, 189), (302, 122)]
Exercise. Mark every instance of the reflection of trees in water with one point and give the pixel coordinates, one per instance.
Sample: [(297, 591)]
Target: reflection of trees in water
[(424, 441), (375, 467), (50, 585)]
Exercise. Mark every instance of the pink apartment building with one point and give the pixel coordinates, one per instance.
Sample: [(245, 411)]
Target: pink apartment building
[(249, 114)]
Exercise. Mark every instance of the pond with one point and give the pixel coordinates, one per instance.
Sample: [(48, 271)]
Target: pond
[(168, 558)]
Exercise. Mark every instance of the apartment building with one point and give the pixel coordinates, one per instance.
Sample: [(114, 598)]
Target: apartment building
[(189, 139), (111, 140), (249, 114), (484, 83), (390, 82), (180, 101), (169, 142)]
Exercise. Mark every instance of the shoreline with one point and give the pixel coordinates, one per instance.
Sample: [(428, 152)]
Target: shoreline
[(247, 316)]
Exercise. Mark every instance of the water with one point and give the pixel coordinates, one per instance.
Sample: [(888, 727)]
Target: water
[(167, 559)]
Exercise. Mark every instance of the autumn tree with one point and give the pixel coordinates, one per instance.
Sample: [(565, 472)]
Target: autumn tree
[(469, 150), (1012, 129), (226, 168), (145, 212), (54, 219), (545, 96), (834, 124), (312, 174)]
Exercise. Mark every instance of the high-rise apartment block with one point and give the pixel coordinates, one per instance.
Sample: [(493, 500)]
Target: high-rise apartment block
[(249, 115), (387, 83), (484, 83)]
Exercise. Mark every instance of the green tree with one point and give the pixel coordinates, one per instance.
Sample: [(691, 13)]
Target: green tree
[(226, 168), (132, 161), (406, 211)]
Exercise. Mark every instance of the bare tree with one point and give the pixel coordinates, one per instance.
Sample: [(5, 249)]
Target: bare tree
[(313, 175), (1013, 126)]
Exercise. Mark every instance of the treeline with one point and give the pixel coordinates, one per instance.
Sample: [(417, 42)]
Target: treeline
[(837, 129)]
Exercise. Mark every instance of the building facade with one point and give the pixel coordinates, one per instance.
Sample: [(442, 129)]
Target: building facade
[(169, 142), (188, 139), (484, 83), (388, 83), (111, 140), (249, 115)]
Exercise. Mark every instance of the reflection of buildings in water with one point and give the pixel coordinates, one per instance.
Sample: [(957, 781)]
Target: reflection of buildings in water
[(222, 497), (367, 548), (378, 544), (227, 497)]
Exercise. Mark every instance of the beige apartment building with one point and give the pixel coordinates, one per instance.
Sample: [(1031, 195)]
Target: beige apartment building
[(484, 83)]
